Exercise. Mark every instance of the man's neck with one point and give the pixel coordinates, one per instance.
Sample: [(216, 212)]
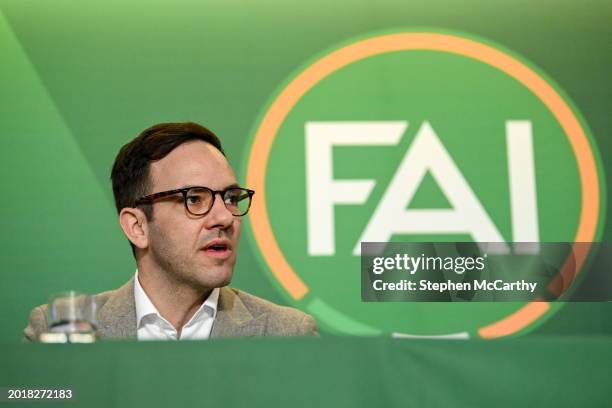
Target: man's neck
[(175, 301)]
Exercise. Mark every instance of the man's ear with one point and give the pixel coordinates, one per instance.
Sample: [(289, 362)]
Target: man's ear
[(133, 222)]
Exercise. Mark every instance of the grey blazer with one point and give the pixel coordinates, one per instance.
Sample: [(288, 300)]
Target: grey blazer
[(239, 314)]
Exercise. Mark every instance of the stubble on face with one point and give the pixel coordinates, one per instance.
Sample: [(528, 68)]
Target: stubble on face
[(181, 266), (176, 238)]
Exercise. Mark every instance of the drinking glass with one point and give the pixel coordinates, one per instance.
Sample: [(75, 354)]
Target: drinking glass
[(72, 319)]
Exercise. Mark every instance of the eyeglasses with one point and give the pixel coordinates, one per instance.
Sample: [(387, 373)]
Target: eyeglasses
[(199, 200)]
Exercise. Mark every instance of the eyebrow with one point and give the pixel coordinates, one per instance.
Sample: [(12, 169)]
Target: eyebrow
[(233, 185)]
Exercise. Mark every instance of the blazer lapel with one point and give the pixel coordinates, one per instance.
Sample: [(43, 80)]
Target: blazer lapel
[(233, 319), (117, 317)]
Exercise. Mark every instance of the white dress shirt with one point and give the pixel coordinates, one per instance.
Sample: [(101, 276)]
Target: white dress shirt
[(150, 325)]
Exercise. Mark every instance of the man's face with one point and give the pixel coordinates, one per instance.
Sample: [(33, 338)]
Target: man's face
[(177, 240)]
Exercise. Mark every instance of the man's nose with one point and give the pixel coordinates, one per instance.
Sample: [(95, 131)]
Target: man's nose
[(218, 216)]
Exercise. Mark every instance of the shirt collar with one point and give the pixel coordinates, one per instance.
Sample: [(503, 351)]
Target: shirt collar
[(144, 306)]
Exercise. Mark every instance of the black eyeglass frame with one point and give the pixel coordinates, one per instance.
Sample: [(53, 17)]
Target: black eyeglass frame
[(148, 199)]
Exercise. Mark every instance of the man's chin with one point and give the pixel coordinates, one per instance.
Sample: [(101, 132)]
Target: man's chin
[(216, 280), (224, 282)]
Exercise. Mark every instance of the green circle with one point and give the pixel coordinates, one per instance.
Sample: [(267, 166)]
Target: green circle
[(467, 103)]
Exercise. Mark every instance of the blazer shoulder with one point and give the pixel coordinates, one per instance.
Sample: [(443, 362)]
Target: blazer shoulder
[(37, 323), (102, 298), (282, 320)]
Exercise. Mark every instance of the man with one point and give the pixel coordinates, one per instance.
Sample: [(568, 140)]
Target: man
[(181, 208)]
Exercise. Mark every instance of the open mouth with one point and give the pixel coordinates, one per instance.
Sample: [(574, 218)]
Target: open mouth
[(218, 248)]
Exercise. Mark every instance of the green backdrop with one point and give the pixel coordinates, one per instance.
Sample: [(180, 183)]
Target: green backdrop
[(79, 79)]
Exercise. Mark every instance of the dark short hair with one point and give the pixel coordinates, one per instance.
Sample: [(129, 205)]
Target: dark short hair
[(130, 173)]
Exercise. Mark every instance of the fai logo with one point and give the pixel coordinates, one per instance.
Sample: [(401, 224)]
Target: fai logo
[(426, 155), (416, 136)]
